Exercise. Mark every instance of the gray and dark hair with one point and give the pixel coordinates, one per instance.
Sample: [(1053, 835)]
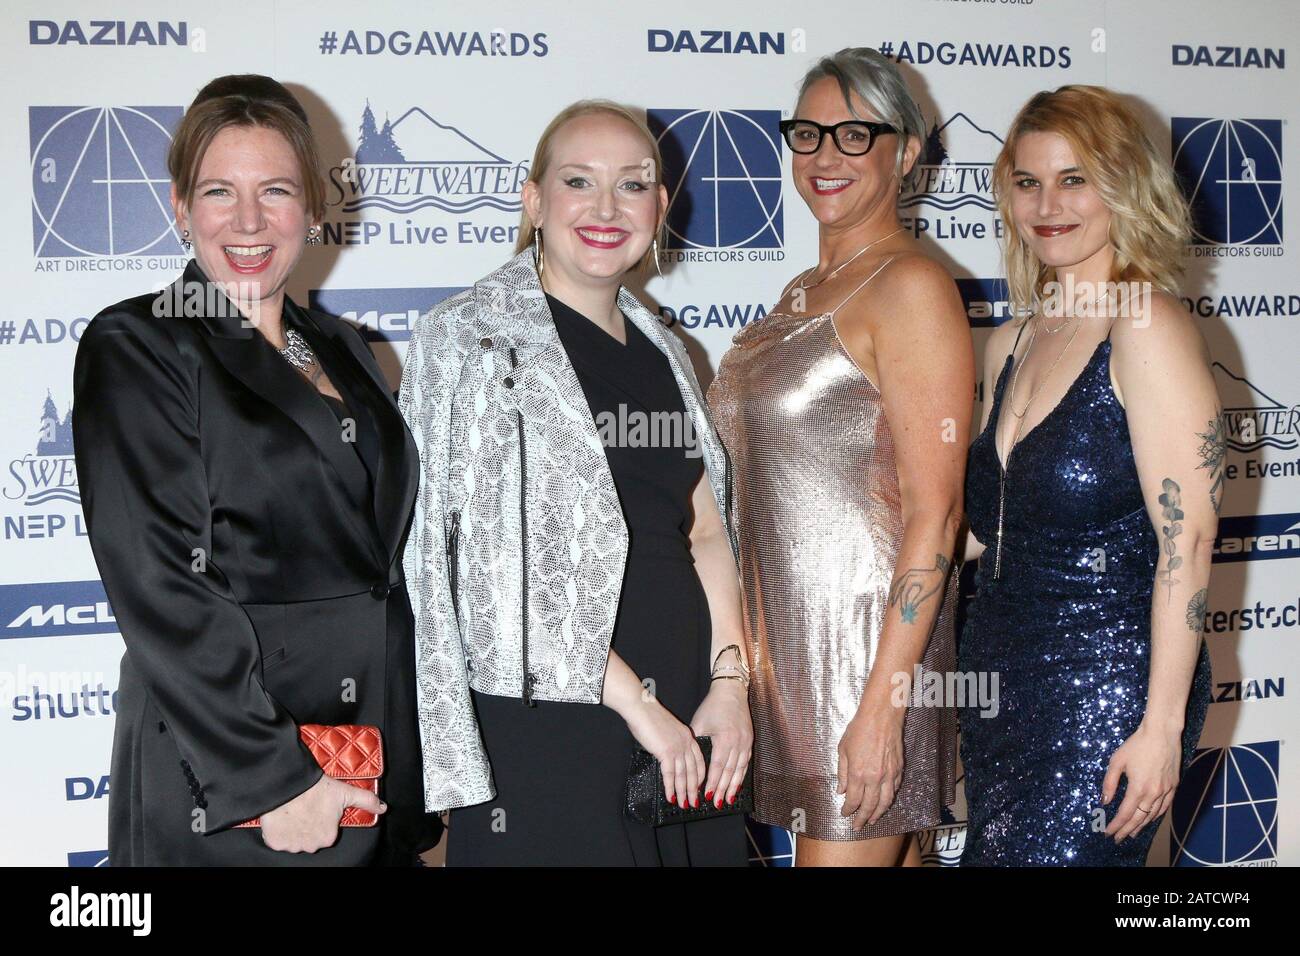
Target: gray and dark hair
[(876, 80)]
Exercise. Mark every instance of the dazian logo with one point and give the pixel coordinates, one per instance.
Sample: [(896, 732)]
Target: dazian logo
[(76, 908), (723, 175), (107, 33), (1252, 418), (99, 180), (1257, 538), (1240, 57), (55, 610), (1231, 172), (1225, 812), (383, 315), (714, 41), (416, 162), (1236, 691)]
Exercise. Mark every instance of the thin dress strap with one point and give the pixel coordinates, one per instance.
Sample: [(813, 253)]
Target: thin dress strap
[(1019, 332), (861, 285)]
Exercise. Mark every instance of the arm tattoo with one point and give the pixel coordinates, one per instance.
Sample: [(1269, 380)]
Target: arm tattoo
[(914, 587), (1196, 611), (1211, 452), (1171, 502)]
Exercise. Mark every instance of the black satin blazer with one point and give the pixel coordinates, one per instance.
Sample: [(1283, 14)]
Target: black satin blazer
[(252, 557)]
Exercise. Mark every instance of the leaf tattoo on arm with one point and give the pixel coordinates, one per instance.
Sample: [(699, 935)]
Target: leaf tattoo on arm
[(915, 586), (1171, 502), (1213, 447)]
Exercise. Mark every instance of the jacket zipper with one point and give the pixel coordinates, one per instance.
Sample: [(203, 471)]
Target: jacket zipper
[(453, 570), (523, 550)]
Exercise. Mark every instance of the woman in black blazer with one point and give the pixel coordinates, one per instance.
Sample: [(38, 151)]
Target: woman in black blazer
[(247, 483)]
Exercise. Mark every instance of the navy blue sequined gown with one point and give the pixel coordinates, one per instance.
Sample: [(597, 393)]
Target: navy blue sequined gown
[(1066, 627)]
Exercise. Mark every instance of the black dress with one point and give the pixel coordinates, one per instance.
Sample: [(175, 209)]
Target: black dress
[(560, 768)]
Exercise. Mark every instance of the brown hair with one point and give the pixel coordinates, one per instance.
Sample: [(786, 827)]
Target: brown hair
[(1150, 222), (245, 100), (542, 160)]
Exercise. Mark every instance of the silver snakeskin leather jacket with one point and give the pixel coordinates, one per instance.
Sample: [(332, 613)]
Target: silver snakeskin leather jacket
[(516, 555)]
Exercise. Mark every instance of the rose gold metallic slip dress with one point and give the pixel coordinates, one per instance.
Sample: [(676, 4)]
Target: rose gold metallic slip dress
[(818, 517)]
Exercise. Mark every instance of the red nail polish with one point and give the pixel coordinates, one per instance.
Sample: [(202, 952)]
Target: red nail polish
[(718, 805), (709, 795), (731, 799), (673, 799)]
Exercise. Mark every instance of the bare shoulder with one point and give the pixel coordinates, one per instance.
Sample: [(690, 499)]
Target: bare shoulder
[(1159, 332), (918, 286)]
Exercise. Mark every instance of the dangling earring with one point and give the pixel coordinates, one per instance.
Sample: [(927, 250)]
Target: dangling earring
[(654, 251), (185, 239), (539, 252), (312, 236)]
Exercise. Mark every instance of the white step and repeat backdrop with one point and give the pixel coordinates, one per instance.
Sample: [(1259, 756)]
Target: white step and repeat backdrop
[(436, 107)]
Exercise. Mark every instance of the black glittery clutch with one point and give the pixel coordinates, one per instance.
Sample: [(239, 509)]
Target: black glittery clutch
[(647, 804)]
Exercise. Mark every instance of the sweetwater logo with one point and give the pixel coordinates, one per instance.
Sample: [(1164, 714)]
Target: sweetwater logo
[(1225, 812), (942, 845), (55, 610), (1231, 172), (416, 163), (100, 188), (1262, 430), (43, 479), (723, 175), (383, 315), (1257, 538), (954, 177)]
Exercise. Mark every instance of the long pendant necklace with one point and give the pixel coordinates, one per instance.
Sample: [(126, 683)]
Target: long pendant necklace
[(1020, 424)]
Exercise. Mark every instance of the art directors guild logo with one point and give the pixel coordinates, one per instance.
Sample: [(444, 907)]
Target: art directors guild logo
[(100, 188), (417, 163), (722, 169), (1231, 172)]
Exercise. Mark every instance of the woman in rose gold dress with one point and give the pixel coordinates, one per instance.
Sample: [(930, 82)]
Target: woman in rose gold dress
[(846, 413)]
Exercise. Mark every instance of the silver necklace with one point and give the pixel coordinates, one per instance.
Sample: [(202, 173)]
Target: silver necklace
[(841, 266), (297, 352)]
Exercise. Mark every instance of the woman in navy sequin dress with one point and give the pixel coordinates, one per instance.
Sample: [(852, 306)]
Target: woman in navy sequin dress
[(1093, 492)]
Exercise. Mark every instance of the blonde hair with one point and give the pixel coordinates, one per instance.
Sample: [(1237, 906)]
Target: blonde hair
[(542, 161), (1150, 223)]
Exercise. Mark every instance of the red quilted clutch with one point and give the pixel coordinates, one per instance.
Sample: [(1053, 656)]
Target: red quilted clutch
[(353, 753)]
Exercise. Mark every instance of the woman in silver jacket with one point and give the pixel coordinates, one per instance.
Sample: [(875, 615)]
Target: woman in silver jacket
[(573, 582)]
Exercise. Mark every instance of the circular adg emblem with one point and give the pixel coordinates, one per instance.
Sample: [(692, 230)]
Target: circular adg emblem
[(727, 193), (1232, 170), (100, 185), (1225, 811)]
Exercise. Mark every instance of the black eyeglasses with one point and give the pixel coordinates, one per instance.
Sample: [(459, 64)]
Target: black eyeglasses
[(852, 137)]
